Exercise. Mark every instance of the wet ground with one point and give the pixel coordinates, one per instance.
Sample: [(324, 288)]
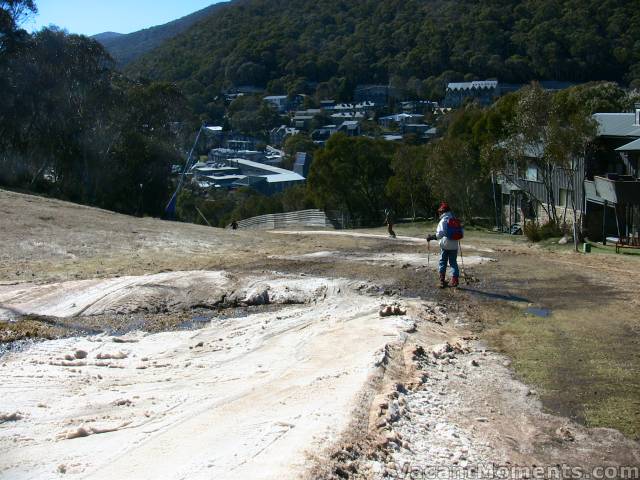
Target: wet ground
[(567, 322), (29, 329), (570, 326), (571, 330)]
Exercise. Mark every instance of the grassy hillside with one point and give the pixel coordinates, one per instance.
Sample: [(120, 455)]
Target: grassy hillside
[(332, 45), (127, 48)]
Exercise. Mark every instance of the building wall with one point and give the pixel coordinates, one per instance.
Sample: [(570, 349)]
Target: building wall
[(543, 217), (512, 212), (456, 98), (560, 179)]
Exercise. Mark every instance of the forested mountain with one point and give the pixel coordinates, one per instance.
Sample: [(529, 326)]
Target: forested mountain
[(106, 36), (128, 47), (329, 46)]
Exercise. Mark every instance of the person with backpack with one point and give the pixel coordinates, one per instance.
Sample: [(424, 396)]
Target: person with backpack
[(449, 233)]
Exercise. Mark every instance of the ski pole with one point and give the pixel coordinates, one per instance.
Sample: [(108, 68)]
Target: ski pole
[(464, 273)]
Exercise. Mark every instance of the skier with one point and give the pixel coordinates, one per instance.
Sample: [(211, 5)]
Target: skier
[(388, 221), (449, 232)]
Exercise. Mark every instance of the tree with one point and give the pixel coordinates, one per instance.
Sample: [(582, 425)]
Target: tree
[(570, 139), (418, 46), (296, 198), (137, 181), (547, 135), (186, 206), (60, 90), (528, 145), (454, 175), (250, 73), (300, 142), (250, 115), (12, 14), (407, 189), (71, 126), (351, 174), (593, 97)]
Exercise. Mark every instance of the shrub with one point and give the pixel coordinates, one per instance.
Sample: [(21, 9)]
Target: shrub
[(536, 232), (532, 231), (550, 229)]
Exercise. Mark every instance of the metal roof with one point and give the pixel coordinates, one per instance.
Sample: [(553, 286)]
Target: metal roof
[(271, 174), (393, 138), (630, 147), (472, 85), (348, 115), (616, 125), (284, 177), (527, 150), (397, 117), (216, 178)]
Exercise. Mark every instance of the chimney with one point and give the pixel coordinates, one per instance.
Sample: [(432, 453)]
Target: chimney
[(637, 124)]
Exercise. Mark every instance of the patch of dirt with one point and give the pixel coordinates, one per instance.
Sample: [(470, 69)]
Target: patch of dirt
[(213, 378), (459, 412)]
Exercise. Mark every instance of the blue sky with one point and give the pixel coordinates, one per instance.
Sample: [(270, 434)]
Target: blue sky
[(123, 16)]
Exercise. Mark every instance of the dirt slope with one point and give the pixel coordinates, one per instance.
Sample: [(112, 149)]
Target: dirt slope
[(290, 371)]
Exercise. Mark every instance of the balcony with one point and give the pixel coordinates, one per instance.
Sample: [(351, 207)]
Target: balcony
[(614, 189)]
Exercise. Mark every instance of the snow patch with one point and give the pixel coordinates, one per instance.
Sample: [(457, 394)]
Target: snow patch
[(251, 399)]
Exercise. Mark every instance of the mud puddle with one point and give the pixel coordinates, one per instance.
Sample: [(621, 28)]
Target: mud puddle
[(507, 297), (539, 312), (24, 332)]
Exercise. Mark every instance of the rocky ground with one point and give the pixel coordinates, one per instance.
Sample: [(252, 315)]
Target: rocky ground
[(134, 348)]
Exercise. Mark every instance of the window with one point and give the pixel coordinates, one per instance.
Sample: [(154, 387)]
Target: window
[(573, 164), (532, 173), (564, 197)]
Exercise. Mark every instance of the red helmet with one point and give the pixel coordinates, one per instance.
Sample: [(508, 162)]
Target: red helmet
[(444, 207)]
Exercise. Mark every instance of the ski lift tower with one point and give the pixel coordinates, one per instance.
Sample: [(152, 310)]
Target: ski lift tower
[(170, 209)]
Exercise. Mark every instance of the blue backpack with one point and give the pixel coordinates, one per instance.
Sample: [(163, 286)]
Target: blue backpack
[(453, 229)]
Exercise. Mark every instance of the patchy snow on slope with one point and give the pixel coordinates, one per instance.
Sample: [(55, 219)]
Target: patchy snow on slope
[(372, 236), (424, 260), (246, 397)]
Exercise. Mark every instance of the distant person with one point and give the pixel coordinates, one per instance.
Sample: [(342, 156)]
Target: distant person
[(449, 232), (234, 225), (388, 221)]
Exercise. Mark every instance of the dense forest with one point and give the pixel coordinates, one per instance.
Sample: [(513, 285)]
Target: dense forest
[(73, 127), (328, 47), (125, 48)]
